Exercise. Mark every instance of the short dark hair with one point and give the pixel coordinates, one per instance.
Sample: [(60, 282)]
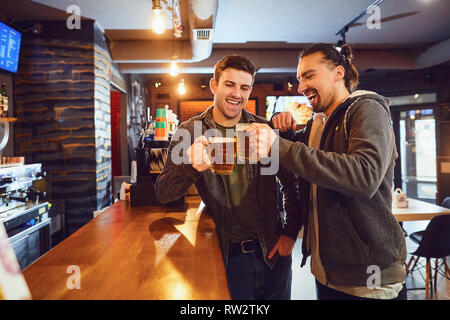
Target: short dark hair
[(236, 62), (342, 58)]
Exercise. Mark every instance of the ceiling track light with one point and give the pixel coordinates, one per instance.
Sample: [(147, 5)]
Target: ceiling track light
[(340, 43), (345, 28)]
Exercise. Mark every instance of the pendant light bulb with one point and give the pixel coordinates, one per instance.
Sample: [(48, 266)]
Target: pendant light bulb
[(181, 87), (173, 69), (158, 25)]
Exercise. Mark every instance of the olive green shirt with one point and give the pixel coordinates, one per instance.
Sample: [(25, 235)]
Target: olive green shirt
[(239, 206)]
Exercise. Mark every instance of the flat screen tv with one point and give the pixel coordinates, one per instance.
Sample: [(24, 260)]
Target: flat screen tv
[(9, 48), (298, 105)]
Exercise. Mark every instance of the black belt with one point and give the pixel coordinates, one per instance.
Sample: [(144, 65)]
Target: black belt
[(245, 246)]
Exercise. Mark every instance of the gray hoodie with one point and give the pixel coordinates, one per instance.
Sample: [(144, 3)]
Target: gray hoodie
[(353, 171)]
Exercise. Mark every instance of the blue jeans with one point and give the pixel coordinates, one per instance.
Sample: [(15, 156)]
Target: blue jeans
[(250, 278)]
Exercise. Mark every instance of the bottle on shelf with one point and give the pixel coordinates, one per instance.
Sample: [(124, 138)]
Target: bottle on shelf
[(4, 101)]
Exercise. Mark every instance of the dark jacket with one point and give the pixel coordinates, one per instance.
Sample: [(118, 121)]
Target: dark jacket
[(353, 171), (175, 179)]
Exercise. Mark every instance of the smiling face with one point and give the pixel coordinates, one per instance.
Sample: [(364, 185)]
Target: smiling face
[(231, 93), (319, 80)]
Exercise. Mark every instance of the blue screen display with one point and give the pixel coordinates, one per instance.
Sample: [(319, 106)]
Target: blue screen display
[(9, 48)]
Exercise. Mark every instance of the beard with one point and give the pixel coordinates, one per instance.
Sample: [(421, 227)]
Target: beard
[(320, 103)]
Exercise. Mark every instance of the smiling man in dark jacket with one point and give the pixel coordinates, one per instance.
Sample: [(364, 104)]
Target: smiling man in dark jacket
[(256, 239), (345, 159)]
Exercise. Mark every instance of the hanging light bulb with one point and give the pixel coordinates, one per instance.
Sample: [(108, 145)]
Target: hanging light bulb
[(181, 87), (158, 25), (173, 69)]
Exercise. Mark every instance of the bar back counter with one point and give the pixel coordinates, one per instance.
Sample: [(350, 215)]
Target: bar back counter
[(135, 253)]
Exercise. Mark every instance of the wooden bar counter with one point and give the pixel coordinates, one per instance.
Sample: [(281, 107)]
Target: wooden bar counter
[(135, 253)]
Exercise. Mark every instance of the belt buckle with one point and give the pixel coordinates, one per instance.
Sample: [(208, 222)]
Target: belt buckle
[(243, 242)]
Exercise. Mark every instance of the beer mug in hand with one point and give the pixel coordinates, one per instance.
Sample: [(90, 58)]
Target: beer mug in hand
[(247, 145), (222, 153)]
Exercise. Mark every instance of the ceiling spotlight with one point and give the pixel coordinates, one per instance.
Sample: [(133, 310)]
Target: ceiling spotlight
[(181, 87), (158, 25)]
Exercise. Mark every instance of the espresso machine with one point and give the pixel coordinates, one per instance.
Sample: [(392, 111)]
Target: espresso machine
[(23, 213)]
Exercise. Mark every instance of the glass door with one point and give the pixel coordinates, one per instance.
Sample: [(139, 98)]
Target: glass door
[(417, 130)]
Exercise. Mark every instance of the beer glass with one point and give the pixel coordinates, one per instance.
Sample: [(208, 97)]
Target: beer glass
[(244, 150), (222, 153)]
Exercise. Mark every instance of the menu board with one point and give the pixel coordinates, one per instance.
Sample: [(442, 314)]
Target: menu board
[(9, 48), (12, 282)]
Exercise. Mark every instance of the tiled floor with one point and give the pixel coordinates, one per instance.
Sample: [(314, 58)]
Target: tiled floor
[(303, 284)]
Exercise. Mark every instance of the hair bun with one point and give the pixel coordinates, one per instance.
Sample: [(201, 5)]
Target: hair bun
[(346, 51)]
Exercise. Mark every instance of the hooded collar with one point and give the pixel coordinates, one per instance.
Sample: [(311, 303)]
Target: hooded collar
[(364, 94)]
